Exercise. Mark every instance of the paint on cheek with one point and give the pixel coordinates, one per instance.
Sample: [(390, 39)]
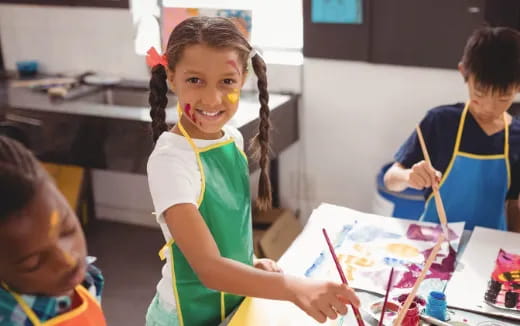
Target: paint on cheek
[(233, 96), (187, 110), (69, 259), (53, 224)]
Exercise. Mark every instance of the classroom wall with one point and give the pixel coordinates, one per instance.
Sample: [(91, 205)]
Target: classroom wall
[(71, 39)]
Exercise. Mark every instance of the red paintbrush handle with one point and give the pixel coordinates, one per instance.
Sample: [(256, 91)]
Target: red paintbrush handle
[(342, 275)]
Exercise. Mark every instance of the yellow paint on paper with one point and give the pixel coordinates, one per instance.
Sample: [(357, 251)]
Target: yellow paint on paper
[(402, 250)]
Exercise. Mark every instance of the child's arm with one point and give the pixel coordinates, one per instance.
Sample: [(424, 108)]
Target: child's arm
[(421, 175), (319, 299), (513, 215)]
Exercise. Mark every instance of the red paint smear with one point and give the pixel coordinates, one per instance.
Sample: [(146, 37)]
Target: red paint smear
[(427, 233), (234, 65), (187, 109)]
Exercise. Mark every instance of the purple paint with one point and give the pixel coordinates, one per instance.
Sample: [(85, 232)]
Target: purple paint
[(428, 233), (443, 270), (408, 278)]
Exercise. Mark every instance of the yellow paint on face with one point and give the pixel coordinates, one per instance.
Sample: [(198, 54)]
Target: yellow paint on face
[(53, 224), (233, 96), (69, 259), (402, 250)]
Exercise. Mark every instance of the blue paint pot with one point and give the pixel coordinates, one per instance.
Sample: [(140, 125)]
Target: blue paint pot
[(27, 68), (436, 305)]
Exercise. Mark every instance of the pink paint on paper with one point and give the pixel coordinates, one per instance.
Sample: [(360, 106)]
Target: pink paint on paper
[(427, 233)]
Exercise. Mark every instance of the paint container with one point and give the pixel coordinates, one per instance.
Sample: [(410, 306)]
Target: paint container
[(418, 299), (436, 306), (412, 317)]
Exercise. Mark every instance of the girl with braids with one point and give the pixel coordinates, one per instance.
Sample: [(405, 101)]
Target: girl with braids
[(44, 276), (199, 182)]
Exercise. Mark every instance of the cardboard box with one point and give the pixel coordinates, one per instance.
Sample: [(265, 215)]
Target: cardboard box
[(279, 236), (257, 235), (265, 219)]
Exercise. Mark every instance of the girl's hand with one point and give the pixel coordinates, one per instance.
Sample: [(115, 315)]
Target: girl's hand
[(322, 299), (267, 265)]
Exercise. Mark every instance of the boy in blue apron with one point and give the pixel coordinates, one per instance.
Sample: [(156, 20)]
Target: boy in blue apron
[(44, 275), (474, 147)]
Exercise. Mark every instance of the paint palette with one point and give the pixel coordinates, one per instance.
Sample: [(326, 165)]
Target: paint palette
[(392, 309)]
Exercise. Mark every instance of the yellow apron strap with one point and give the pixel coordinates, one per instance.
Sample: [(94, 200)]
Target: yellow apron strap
[(456, 149), (28, 311), (196, 150), (222, 306), (183, 131), (506, 150), (164, 249)]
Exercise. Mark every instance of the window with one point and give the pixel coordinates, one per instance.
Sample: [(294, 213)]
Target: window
[(277, 24)]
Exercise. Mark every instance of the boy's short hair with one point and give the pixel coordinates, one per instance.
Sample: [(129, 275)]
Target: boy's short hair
[(492, 56)]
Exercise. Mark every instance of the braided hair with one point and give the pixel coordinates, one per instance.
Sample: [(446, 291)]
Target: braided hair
[(216, 32)]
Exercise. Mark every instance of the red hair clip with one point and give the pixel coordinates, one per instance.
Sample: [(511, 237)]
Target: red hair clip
[(153, 58)]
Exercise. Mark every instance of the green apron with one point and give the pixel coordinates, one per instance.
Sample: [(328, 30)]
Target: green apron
[(225, 205)]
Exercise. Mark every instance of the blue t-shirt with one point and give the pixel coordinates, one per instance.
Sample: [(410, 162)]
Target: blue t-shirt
[(439, 128)]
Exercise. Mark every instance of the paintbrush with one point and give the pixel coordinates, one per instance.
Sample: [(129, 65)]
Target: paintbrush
[(342, 275), (422, 275), (388, 287), (436, 193)]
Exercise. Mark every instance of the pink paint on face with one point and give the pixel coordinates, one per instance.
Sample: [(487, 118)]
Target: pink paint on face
[(234, 65), (187, 110)]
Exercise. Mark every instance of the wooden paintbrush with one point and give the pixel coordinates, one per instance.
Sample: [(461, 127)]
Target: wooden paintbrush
[(342, 275), (436, 193)]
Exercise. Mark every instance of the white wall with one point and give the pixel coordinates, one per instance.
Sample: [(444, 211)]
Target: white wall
[(71, 39), (354, 117)]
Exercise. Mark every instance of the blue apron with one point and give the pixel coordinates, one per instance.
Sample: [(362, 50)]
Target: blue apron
[(474, 187)]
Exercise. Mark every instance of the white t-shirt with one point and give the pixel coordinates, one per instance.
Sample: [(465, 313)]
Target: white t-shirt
[(174, 178)]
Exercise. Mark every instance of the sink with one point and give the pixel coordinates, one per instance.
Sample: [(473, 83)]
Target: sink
[(132, 97)]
